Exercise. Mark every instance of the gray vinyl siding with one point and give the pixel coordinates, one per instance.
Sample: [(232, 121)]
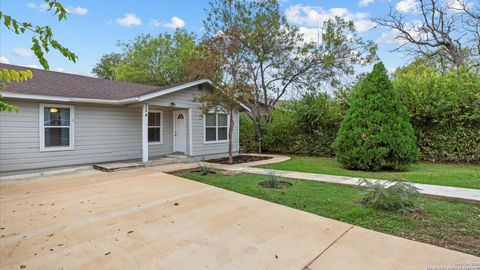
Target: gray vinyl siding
[(101, 134), (200, 148), (186, 99)]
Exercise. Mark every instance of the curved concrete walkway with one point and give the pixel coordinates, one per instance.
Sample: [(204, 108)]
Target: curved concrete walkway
[(146, 219), (466, 194)]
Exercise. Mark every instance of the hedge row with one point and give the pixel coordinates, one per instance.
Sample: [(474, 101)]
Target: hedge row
[(444, 110)]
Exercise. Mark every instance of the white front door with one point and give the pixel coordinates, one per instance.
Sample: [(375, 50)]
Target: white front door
[(179, 131)]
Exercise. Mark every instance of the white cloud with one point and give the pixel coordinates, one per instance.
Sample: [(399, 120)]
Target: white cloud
[(310, 34), (40, 7), (76, 10), (389, 38), (70, 10), (22, 52), (174, 23), (364, 3), (458, 5), (129, 19), (33, 66), (155, 23), (364, 25), (64, 70), (392, 70), (407, 6), (4, 60), (315, 16)]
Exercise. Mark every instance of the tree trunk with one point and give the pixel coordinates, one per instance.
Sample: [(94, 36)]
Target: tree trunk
[(230, 138), (258, 129)]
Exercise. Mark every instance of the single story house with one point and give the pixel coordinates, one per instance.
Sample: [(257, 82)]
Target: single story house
[(68, 119)]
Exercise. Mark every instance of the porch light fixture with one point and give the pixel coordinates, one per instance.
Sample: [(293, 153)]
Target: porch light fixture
[(53, 110)]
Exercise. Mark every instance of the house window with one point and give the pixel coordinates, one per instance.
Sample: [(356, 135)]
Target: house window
[(155, 123), (216, 127), (56, 127)]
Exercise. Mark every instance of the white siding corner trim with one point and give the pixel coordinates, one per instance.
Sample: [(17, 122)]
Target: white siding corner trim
[(145, 133), (190, 137), (41, 130)]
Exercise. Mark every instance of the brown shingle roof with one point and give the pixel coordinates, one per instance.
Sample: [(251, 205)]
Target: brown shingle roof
[(51, 83)]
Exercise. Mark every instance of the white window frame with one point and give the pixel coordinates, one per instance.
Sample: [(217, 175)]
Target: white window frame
[(42, 128), (161, 127), (216, 127)]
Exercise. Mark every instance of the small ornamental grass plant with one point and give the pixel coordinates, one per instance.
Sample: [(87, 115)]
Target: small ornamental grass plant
[(395, 195), (273, 180), (204, 170)]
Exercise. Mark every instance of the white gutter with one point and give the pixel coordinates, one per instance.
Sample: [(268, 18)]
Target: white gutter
[(68, 99)]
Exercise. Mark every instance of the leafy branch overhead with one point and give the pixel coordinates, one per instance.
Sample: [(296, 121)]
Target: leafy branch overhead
[(7, 76), (42, 39)]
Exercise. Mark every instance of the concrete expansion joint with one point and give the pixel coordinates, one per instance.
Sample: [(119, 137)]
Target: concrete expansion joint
[(307, 267)]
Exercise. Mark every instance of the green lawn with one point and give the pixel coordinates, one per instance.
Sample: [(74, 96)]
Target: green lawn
[(454, 225), (455, 175)]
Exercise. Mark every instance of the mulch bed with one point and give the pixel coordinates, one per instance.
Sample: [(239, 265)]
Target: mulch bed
[(281, 184), (238, 159)]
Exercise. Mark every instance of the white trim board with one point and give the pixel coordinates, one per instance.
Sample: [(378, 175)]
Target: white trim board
[(190, 132)]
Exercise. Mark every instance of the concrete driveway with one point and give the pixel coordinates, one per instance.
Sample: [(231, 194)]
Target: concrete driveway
[(145, 219)]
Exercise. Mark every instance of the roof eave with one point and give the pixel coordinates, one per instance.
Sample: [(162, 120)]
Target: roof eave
[(124, 101), (7, 94)]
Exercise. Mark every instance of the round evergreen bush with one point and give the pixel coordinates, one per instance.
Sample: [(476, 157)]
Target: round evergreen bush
[(376, 133)]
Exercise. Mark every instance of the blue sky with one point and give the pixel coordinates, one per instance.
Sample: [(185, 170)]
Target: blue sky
[(93, 28)]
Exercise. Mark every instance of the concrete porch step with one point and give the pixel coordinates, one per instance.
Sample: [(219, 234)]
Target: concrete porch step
[(177, 156), (117, 166), (132, 164)]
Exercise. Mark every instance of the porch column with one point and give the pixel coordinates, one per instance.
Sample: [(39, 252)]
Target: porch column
[(190, 145), (145, 133)]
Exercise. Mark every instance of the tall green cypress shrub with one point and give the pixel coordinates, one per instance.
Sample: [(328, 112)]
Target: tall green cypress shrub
[(376, 133)]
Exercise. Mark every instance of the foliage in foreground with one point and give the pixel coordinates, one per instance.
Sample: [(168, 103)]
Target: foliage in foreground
[(376, 133), (9, 76), (42, 42), (394, 195)]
